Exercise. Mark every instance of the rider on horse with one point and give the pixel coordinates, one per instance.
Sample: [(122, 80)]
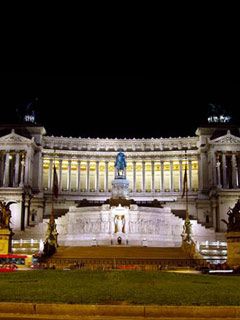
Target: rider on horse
[(120, 163)]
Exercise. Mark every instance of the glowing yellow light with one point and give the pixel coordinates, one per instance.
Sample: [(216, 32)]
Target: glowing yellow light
[(166, 167)]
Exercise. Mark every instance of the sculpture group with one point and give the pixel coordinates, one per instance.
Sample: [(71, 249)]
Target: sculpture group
[(5, 214), (233, 223)]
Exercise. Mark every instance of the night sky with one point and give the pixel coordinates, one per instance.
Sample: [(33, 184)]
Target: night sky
[(116, 106)]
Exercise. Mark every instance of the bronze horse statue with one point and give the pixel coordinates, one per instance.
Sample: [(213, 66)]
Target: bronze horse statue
[(120, 163)]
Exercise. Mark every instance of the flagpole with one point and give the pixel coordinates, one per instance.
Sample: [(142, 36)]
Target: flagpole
[(185, 187), (51, 240), (54, 168), (187, 223)]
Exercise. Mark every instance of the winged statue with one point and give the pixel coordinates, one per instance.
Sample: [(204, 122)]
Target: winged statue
[(5, 214)]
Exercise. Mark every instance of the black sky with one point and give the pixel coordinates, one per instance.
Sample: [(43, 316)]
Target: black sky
[(117, 106)]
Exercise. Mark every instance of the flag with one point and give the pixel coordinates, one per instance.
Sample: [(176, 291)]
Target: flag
[(184, 182), (55, 182)]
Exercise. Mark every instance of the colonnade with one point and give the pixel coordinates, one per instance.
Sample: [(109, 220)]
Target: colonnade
[(14, 168), (227, 173), (143, 175)]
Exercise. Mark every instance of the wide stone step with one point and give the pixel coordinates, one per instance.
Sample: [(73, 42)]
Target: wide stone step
[(121, 252)]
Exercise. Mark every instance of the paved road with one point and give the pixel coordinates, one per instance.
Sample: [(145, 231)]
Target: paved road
[(10, 316)]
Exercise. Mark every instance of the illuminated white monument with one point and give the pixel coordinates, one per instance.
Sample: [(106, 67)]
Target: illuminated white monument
[(88, 170), (122, 223)]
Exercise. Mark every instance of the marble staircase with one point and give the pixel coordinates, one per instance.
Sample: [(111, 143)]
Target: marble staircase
[(120, 257), (120, 252)]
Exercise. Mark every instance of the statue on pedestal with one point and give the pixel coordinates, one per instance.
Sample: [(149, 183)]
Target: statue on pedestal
[(5, 214), (120, 165), (233, 236), (120, 184), (233, 223), (51, 243), (187, 230), (5, 229)]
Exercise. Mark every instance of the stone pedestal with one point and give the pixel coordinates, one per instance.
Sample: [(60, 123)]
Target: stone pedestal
[(233, 248), (120, 188), (190, 249), (5, 241)]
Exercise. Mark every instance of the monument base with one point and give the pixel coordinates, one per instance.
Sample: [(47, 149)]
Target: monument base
[(5, 241), (233, 248), (120, 188)]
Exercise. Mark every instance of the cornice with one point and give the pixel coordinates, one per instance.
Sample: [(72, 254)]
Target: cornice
[(111, 155), (99, 144)]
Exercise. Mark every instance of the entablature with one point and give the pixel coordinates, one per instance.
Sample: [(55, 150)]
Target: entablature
[(108, 145), (111, 156)]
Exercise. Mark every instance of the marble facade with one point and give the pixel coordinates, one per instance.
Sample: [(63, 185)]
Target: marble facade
[(85, 167), (136, 226)]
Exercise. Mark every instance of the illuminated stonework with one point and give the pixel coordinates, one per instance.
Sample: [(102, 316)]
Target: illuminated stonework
[(85, 167)]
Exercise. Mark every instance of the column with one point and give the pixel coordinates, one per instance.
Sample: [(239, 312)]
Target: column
[(201, 160), (190, 174), (28, 210), (16, 180), (214, 168), (180, 176), (238, 170), (6, 171), (106, 176), (234, 171), (171, 176), (79, 175), (134, 176), (218, 164), (88, 176), (97, 176), (22, 172), (143, 177), (69, 175), (203, 171), (224, 170), (60, 175), (153, 184), (40, 176), (50, 174), (162, 176), (27, 168)]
